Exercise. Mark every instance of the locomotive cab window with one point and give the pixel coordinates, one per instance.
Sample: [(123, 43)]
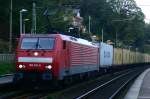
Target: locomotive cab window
[(37, 43)]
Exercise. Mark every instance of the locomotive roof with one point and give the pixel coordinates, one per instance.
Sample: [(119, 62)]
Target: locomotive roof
[(64, 37)]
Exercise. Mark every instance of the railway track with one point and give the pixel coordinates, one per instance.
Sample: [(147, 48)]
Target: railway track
[(16, 93), (110, 89), (24, 94), (104, 87), (32, 95), (11, 91)]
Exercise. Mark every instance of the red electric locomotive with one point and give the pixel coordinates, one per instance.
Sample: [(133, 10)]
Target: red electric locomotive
[(54, 57)]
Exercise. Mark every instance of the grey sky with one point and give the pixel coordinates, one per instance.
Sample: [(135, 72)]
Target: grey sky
[(145, 6)]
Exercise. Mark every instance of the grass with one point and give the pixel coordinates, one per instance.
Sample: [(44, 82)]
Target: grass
[(6, 68)]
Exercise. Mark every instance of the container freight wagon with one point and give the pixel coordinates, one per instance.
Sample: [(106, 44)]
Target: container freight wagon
[(132, 57), (128, 57), (146, 58), (118, 57), (106, 55)]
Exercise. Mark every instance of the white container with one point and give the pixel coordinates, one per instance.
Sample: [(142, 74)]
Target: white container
[(106, 55)]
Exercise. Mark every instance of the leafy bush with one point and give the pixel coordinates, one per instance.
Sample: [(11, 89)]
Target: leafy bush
[(6, 68)]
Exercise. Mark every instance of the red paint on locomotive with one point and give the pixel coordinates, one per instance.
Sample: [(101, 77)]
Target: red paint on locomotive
[(69, 56)]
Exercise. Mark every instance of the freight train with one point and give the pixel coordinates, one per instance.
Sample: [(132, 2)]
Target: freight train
[(56, 56)]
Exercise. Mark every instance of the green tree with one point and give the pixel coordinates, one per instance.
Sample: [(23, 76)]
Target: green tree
[(59, 16), (121, 17)]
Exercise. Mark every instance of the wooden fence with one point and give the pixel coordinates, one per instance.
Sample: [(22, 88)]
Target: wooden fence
[(7, 58)]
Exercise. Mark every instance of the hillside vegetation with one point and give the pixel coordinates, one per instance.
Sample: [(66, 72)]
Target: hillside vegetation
[(121, 17)]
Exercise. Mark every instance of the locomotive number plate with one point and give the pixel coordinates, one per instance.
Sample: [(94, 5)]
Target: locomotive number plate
[(34, 65)]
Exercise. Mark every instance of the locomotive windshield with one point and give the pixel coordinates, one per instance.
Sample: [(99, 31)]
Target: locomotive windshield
[(37, 43)]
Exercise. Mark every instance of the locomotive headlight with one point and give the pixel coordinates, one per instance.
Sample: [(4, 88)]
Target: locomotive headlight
[(20, 66), (36, 53), (48, 67)]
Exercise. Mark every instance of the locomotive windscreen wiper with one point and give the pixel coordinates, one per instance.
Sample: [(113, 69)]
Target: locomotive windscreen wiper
[(38, 45)]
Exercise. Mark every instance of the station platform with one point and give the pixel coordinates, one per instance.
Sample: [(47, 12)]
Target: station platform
[(141, 87), (6, 79)]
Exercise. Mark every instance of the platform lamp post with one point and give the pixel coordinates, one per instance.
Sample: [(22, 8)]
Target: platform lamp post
[(10, 27), (21, 12), (24, 25), (33, 30)]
